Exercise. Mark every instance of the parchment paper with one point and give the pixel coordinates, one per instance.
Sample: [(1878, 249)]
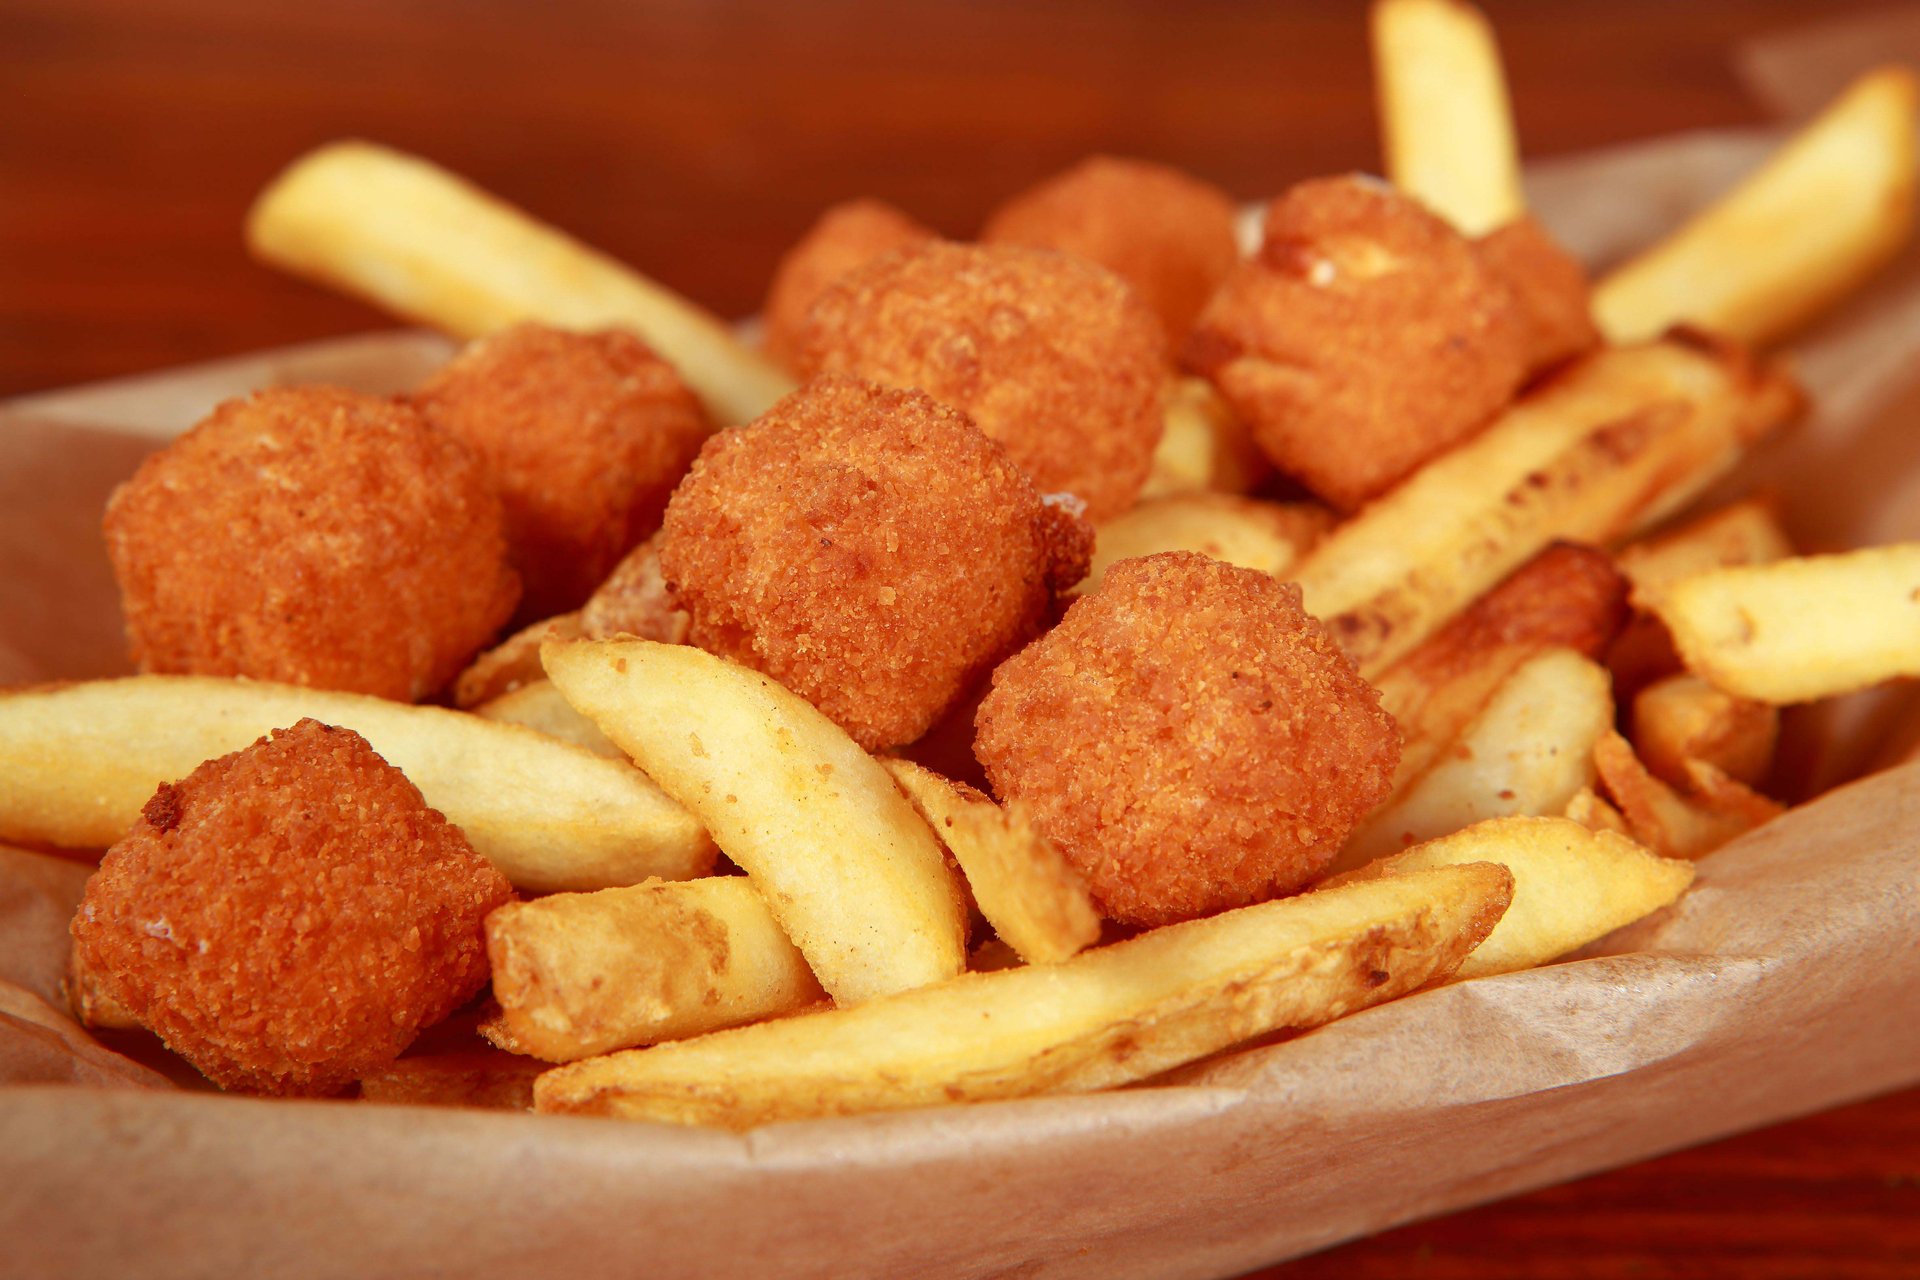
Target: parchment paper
[(1786, 981)]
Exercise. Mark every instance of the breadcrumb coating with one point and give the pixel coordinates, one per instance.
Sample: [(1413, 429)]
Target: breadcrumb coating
[(846, 236), (288, 917), (1550, 287), (1367, 337), (870, 549), (1190, 737), (1166, 233), (584, 434), (1053, 356), (313, 536)]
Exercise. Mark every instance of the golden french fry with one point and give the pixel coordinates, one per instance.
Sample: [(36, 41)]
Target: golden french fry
[(1683, 719), (1445, 122), (1032, 896), (1571, 885), (1595, 814), (81, 759), (577, 974), (1824, 213), (1268, 536), (1673, 825), (1799, 629), (1614, 443), (539, 706), (1529, 751), (411, 237), (485, 1078), (1105, 1017), (1744, 532), (512, 664), (851, 872), (1203, 446)]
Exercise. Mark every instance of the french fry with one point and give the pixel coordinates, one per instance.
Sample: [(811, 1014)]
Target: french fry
[(1445, 121), (1800, 629), (512, 664), (1529, 751), (851, 872), (411, 237), (81, 759), (1108, 1016), (1683, 719), (1268, 536), (1595, 814), (577, 974), (1032, 896), (483, 1078), (539, 707), (1571, 885), (1671, 824), (1832, 205), (1616, 442), (1203, 446)]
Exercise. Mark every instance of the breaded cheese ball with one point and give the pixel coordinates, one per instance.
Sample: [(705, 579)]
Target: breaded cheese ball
[(869, 549), (1367, 337), (584, 434), (291, 915), (846, 236), (313, 536), (1190, 737), (1054, 357), (1166, 233), (1550, 288)]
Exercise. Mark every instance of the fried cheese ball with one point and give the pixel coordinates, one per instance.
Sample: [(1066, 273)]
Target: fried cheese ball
[(846, 236), (313, 536), (291, 915), (1367, 337), (1053, 356), (1166, 233), (584, 434), (1550, 287), (1189, 737), (870, 549)]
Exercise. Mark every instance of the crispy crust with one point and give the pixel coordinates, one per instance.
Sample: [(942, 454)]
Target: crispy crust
[(847, 236), (1550, 287)]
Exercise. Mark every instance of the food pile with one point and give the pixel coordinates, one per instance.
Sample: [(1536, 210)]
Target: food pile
[(1047, 660)]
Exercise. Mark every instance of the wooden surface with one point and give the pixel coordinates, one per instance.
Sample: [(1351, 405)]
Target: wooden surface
[(697, 139)]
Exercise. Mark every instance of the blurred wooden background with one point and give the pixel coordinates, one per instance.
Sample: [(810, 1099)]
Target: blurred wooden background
[(697, 140)]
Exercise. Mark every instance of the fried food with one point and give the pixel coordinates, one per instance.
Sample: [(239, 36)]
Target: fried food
[(313, 536), (1268, 536), (1683, 719), (1549, 287), (288, 917), (1365, 338), (846, 236), (1189, 737), (1054, 357), (870, 550), (1163, 231), (583, 434), (1204, 447)]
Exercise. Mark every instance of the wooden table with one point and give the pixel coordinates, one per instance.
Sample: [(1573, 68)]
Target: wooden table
[(697, 140)]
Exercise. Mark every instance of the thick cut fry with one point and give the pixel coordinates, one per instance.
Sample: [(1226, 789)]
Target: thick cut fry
[(1446, 125), (484, 1078), (1799, 629), (1570, 885), (540, 707), (1268, 536), (80, 760), (1025, 887), (1616, 442), (1595, 814), (514, 663), (1529, 751), (1684, 719), (1105, 1017), (854, 876), (577, 974), (1203, 446), (411, 237), (1824, 213), (1671, 824)]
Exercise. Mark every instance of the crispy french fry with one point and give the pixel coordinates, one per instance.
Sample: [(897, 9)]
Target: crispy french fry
[(484, 1078), (1595, 814), (80, 760), (411, 237), (1571, 885), (853, 875), (1824, 213), (1203, 446), (1671, 824), (1445, 122), (1025, 887), (1529, 751), (1614, 443), (1105, 1017), (1683, 719), (514, 663), (1268, 536), (1799, 629), (577, 974), (540, 707)]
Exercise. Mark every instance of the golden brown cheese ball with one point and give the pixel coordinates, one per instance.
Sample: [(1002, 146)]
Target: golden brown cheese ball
[(1166, 233), (1190, 737), (1366, 338), (314, 536), (1550, 288), (870, 549), (1054, 357), (846, 236), (291, 915), (585, 435)]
